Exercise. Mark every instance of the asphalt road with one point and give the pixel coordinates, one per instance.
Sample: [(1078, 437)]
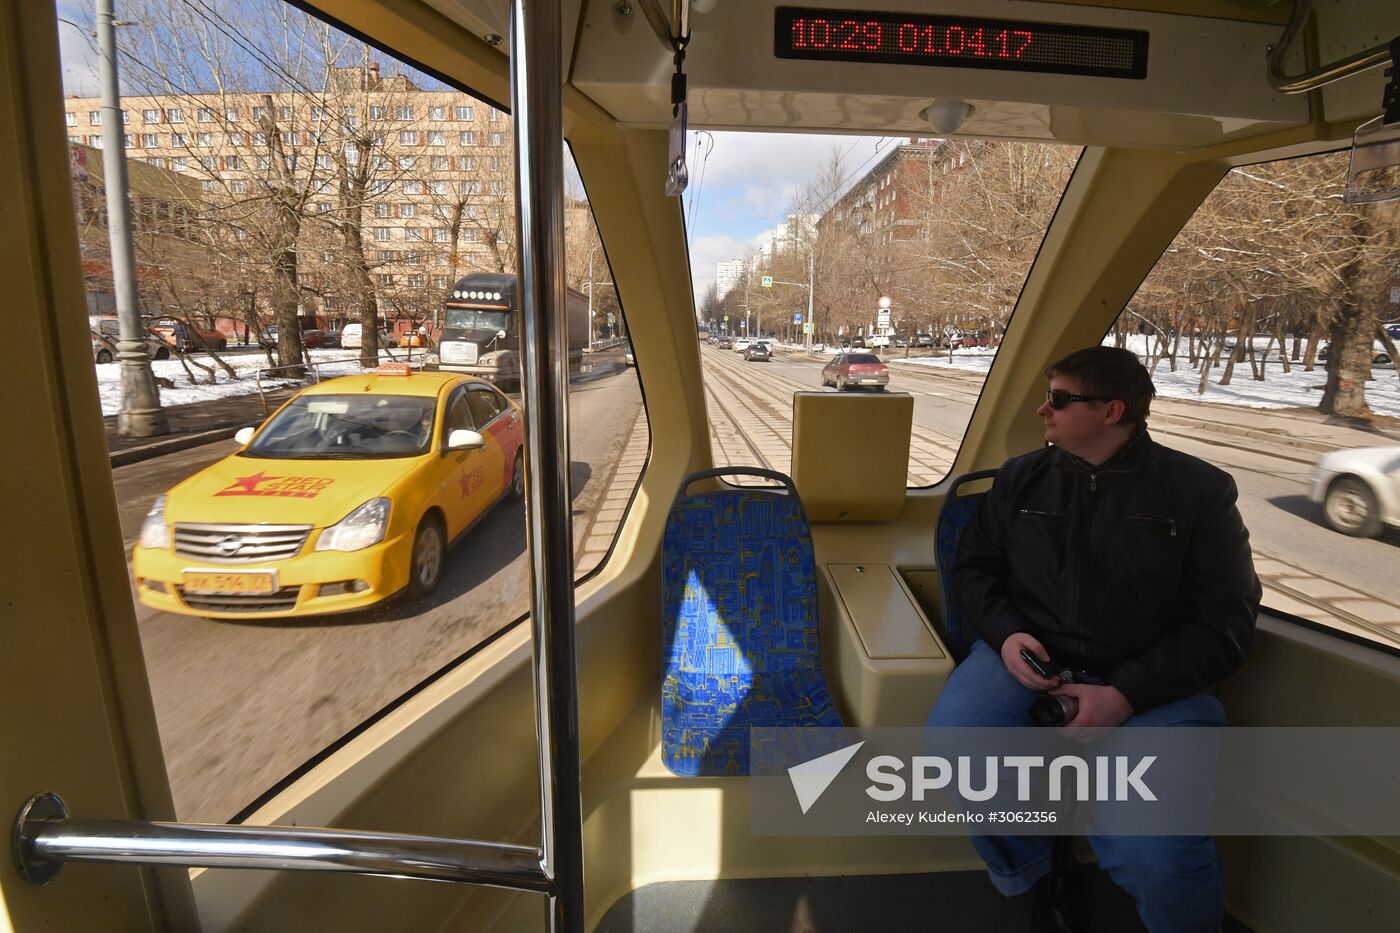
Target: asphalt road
[(242, 704)]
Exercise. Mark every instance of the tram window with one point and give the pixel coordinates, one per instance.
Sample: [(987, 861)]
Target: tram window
[(913, 251), (1269, 326), (259, 654)]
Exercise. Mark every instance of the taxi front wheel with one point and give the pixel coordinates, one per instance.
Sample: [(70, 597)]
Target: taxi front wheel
[(517, 478), (429, 547)]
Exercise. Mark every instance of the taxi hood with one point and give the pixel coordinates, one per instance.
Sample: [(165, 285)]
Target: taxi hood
[(253, 490)]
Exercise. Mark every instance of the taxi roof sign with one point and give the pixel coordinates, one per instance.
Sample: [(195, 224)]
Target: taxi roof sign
[(394, 369)]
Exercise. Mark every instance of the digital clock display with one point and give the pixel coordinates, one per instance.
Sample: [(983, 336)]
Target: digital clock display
[(959, 42)]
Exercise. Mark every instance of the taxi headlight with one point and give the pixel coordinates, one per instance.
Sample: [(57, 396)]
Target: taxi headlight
[(155, 533), (361, 528)]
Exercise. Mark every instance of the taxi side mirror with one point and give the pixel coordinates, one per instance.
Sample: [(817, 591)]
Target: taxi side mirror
[(244, 435), (462, 439)]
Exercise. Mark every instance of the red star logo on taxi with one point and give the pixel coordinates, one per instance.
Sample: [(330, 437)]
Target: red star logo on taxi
[(466, 483), (245, 485)]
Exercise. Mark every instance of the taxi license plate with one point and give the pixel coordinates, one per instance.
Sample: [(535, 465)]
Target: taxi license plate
[(220, 582)]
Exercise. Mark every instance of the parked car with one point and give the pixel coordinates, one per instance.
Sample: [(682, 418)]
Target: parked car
[(901, 341), (197, 336), (1379, 355), (313, 338), (922, 340), (857, 343), (627, 356), (105, 333), (350, 493), (853, 370), (331, 338), (268, 337), (352, 336), (1359, 489), (758, 352), (878, 341)]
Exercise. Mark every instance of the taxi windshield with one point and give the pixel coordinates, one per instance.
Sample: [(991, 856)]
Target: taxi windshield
[(346, 427), (477, 319)]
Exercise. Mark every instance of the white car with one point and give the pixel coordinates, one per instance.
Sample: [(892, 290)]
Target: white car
[(741, 345), (1359, 490)]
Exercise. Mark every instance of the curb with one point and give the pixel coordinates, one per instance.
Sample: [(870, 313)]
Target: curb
[(169, 446)]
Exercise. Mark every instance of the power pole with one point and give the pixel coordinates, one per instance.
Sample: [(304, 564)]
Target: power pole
[(141, 414)]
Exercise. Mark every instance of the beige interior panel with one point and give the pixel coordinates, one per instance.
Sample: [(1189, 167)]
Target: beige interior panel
[(850, 454)]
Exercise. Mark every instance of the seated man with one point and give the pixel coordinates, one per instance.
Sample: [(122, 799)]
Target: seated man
[(1111, 554)]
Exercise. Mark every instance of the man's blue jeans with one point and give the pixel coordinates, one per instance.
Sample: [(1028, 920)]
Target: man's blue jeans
[(1176, 880)]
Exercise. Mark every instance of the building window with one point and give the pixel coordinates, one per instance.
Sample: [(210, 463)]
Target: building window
[(207, 162), (178, 163), (403, 113), (95, 142), (442, 210), (204, 115), (318, 114), (323, 207), (437, 113), (238, 186), (157, 161), (413, 187), (383, 210), (439, 281), (352, 154), (466, 164), (208, 185), (437, 138), (466, 138), (204, 139), (468, 235), (494, 163), (259, 138), (150, 116), (130, 141), (150, 140), (71, 119), (440, 163), (471, 187), (386, 279), (408, 210), (441, 235), (259, 114), (381, 234), (499, 187), (496, 139), (179, 139), (413, 234), (264, 163), (417, 280), (231, 114), (323, 161), (174, 115), (95, 118), (233, 162), (291, 138), (376, 112), (494, 115), (408, 138), (284, 113), (380, 186), (408, 162), (464, 113), (437, 187), (234, 139)]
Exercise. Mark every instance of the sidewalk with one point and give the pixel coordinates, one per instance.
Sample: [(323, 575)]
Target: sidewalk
[(192, 425)]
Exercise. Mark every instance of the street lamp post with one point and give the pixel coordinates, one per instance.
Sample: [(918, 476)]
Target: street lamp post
[(811, 290), (140, 414)]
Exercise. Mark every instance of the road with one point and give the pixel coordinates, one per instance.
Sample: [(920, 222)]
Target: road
[(242, 704)]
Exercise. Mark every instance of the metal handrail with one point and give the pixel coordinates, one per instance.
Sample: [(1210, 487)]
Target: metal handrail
[(1342, 68), (46, 837)]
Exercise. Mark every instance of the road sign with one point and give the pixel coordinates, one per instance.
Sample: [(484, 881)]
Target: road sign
[(766, 281), (797, 318), (884, 317), (807, 328), (726, 319)]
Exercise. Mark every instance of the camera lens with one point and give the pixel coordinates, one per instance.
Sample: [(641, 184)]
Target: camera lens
[(1050, 710)]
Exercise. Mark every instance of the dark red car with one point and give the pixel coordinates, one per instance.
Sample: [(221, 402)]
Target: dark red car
[(853, 370), (313, 338)]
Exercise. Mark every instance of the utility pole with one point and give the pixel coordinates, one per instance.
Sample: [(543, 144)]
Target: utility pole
[(140, 414), (811, 289)]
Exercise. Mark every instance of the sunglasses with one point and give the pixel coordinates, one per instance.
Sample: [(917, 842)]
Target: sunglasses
[(1058, 398)]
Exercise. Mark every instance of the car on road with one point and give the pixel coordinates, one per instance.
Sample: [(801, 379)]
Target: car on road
[(627, 357), (1358, 489), (759, 352), (349, 494), (724, 343), (105, 333), (197, 336), (742, 344), (854, 370)]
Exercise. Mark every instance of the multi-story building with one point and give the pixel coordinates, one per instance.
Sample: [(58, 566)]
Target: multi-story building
[(728, 273), (891, 200), (425, 176)]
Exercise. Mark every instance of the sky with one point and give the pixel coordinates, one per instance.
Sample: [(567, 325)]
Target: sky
[(742, 187)]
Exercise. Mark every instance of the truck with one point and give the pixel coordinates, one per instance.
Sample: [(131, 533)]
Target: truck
[(481, 328)]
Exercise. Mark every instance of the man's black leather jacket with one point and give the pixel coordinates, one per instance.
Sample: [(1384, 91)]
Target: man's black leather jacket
[(1137, 570)]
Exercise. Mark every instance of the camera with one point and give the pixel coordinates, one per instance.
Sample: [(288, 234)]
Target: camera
[(1049, 709)]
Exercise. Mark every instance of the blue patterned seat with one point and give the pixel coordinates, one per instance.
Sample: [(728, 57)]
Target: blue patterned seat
[(956, 513), (740, 617)]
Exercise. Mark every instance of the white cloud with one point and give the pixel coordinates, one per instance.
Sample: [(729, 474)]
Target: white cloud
[(705, 253), (77, 50)]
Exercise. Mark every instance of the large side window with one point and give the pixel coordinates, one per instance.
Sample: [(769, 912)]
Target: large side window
[(1269, 326), (272, 615), (911, 252)]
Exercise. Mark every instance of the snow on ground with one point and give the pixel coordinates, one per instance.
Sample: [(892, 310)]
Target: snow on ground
[(328, 362), (1294, 390)]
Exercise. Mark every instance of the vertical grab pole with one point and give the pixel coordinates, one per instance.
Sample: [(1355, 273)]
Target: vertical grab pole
[(536, 93)]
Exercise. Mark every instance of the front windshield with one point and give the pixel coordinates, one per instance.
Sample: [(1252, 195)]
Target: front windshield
[(346, 427), (477, 319)]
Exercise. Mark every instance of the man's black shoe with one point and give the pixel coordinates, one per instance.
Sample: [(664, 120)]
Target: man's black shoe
[(1055, 908)]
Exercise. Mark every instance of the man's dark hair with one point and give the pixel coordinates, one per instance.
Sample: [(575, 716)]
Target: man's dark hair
[(1113, 373)]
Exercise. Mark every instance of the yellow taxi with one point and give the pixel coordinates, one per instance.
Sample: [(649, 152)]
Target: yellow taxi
[(347, 495)]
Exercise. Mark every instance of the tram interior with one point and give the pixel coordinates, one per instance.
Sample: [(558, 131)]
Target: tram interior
[(457, 758)]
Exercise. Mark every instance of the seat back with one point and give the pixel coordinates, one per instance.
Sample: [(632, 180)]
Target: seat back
[(739, 599), (958, 509)]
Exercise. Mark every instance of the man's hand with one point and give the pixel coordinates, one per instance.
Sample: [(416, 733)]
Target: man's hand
[(1101, 710), (1024, 674)]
